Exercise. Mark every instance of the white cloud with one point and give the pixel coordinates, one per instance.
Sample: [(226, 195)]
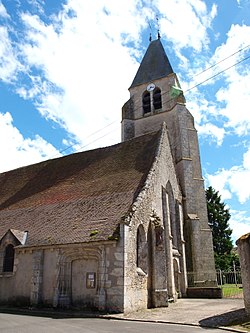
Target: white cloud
[(233, 181), (215, 133), (86, 66), (204, 112), (78, 67), (242, 3), (231, 88), (239, 177), (186, 22), (234, 94), (219, 181), (19, 151), (239, 223), (37, 5), (3, 11), (236, 98), (9, 65), (227, 53)]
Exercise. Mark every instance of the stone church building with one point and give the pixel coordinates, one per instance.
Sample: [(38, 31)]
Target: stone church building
[(118, 228)]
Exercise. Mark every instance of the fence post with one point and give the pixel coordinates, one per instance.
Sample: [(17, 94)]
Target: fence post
[(220, 277), (235, 277)]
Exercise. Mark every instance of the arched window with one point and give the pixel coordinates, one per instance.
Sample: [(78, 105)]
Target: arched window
[(172, 214), (146, 103), (141, 249), (8, 261), (157, 99)]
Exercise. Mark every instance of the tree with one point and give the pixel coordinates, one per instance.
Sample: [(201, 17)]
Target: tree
[(218, 217)]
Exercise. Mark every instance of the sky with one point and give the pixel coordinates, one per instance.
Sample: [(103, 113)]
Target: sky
[(66, 66)]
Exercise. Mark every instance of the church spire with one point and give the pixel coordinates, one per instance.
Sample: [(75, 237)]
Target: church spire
[(154, 65)]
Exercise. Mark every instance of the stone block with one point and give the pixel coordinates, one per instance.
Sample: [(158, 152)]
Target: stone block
[(204, 292)]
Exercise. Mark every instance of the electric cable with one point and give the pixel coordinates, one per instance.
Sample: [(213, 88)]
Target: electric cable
[(217, 63), (168, 101), (198, 84), (76, 144), (224, 70)]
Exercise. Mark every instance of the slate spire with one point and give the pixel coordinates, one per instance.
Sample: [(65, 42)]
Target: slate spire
[(154, 65)]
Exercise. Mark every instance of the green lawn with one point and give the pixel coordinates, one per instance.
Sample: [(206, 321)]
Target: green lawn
[(232, 290)]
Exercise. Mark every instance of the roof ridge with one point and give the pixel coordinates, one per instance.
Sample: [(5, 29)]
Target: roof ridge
[(49, 160), (141, 193)]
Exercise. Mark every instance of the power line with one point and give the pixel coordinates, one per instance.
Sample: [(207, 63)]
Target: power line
[(224, 70), (76, 144), (211, 77), (217, 63), (95, 140), (195, 86)]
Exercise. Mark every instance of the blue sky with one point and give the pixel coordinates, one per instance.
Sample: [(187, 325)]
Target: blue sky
[(65, 69)]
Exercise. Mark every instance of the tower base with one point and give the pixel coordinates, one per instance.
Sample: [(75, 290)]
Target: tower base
[(204, 292)]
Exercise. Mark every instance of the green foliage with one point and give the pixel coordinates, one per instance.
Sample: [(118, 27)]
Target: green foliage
[(218, 217), (116, 234), (93, 233)]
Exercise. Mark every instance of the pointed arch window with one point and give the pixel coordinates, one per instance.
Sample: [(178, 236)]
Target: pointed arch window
[(8, 261), (146, 103), (141, 249), (157, 99)]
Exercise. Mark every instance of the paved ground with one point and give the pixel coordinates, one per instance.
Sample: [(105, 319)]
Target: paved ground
[(202, 312), (11, 323)]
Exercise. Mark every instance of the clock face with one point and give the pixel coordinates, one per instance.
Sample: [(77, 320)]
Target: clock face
[(150, 87)]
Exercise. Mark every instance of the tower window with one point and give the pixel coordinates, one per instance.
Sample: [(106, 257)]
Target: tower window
[(157, 99), (146, 104), (141, 249), (8, 261)]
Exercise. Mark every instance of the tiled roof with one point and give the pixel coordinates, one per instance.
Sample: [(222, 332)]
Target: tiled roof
[(77, 198)]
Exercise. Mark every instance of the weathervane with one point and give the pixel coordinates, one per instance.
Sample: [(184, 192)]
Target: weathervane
[(150, 34), (158, 27)]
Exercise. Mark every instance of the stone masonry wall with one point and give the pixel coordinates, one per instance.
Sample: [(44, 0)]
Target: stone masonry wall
[(42, 276), (185, 151), (146, 208), (243, 244)]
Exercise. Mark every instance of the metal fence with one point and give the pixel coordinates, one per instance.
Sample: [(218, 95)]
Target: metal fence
[(230, 283)]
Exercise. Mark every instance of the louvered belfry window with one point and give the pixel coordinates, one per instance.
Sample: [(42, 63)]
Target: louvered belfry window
[(157, 99), (146, 103), (8, 262)]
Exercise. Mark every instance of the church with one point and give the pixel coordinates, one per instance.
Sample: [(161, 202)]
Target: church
[(119, 228)]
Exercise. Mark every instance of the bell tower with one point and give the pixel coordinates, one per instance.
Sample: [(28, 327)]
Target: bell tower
[(156, 97), (154, 91)]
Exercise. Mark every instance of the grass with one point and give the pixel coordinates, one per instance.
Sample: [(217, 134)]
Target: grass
[(232, 290)]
